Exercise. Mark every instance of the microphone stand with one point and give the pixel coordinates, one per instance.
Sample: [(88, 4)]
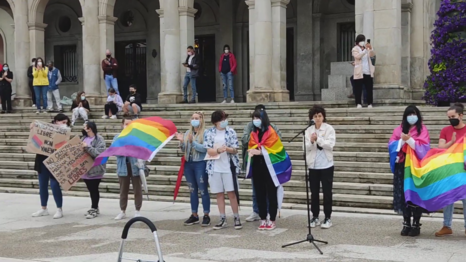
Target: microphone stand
[(309, 238)]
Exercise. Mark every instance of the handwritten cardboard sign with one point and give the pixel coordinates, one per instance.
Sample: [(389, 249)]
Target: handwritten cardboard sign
[(69, 163), (46, 138)]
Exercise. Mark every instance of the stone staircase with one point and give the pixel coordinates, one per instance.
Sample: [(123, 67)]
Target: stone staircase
[(363, 181)]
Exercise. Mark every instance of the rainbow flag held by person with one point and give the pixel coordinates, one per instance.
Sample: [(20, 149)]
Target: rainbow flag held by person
[(142, 139), (439, 179)]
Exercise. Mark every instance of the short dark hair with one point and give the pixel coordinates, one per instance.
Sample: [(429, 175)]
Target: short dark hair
[(124, 119), (458, 107), (263, 117), (226, 46), (50, 63), (33, 60), (133, 86), (111, 90), (316, 110), (61, 117), (217, 116), (259, 107), (360, 38), (191, 47)]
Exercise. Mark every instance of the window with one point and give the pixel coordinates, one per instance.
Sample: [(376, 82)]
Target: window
[(66, 61), (64, 24), (346, 38)]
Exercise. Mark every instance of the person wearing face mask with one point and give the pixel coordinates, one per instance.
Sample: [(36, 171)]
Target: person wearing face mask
[(114, 104), (320, 140), (414, 134), (192, 146), (80, 108), (363, 70), (30, 81), (45, 176), (41, 84), (94, 144), (133, 104), (222, 145), (448, 136), (192, 64), (55, 79), (110, 69), (227, 69), (6, 77)]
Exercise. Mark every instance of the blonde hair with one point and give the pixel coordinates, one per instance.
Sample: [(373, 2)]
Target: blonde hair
[(199, 137)]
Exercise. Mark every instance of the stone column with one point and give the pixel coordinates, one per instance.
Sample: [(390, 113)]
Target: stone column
[(92, 70), (316, 51), (252, 20), (406, 21), (186, 16), (305, 51), (22, 53), (226, 20), (37, 39), (170, 48), (107, 41), (281, 93)]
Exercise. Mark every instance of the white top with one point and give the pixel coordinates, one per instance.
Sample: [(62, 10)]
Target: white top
[(365, 62), (321, 160), (221, 165), (189, 63), (326, 139)]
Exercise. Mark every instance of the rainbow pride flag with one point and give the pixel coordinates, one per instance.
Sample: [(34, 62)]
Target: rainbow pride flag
[(439, 179), (142, 139)]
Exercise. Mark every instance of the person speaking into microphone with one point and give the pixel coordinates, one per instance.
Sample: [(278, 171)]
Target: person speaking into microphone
[(320, 140)]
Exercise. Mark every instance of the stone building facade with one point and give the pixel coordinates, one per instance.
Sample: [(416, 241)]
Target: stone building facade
[(286, 49)]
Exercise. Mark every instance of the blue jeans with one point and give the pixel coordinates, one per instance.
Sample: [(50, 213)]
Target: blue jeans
[(41, 92), (111, 81), (448, 214), (227, 80), (188, 79), (364, 91), (44, 177), (255, 207), (197, 178)]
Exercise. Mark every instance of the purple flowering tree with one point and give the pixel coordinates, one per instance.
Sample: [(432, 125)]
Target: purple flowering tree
[(447, 82)]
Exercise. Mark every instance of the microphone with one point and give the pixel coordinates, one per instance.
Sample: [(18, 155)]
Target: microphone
[(311, 123)]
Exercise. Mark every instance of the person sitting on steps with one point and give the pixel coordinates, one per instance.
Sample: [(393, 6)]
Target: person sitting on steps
[(133, 103)]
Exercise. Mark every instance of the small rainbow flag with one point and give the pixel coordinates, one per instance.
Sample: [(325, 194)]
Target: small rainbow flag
[(142, 139), (439, 179)]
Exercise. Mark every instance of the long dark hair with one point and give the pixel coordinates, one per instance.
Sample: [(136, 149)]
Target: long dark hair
[(37, 60), (411, 109), (263, 117), (92, 126)]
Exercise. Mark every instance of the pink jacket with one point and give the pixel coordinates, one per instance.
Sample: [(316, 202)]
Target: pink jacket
[(358, 74)]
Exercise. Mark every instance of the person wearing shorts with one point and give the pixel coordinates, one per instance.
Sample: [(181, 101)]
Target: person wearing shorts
[(222, 147), (133, 103)]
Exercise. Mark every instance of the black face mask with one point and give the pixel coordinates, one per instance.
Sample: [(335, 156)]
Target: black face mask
[(454, 121), (108, 56)]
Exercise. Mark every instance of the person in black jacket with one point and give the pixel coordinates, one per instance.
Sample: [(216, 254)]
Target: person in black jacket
[(192, 64), (31, 79), (6, 77), (133, 103), (80, 108)]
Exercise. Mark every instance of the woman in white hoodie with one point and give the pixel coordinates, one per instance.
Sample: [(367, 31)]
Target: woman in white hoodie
[(320, 140)]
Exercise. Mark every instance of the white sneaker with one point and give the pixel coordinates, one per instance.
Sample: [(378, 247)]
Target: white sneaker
[(369, 106), (41, 213), (113, 117), (327, 224), (253, 217), (104, 117), (314, 222), (38, 111), (359, 106), (58, 214), (34, 105), (121, 216), (137, 214), (224, 101), (232, 101)]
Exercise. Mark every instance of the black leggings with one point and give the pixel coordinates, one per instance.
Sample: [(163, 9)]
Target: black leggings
[(111, 107), (368, 83), (265, 189), (412, 211), (5, 93), (324, 176), (93, 187)]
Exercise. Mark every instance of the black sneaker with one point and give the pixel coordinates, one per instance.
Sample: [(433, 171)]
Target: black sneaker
[(191, 221), (205, 221), (238, 225), (415, 230), (192, 102), (406, 229), (221, 224), (184, 102)]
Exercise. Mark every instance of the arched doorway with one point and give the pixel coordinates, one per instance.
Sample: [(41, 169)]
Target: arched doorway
[(2, 49), (7, 37)]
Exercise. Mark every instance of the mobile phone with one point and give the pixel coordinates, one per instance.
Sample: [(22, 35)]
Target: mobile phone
[(184, 63), (368, 41)]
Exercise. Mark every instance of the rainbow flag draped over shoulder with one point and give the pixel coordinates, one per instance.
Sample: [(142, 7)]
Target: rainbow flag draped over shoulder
[(439, 179), (141, 139)]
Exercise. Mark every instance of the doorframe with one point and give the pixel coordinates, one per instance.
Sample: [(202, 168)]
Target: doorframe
[(217, 76), (204, 31)]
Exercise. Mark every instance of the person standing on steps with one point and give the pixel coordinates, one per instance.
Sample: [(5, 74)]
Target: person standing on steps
[(227, 69), (45, 176), (245, 140), (41, 84), (133, 103), (222, 145), (192, 146), (128, 173), (320, 140), (363, 70), (55, 79), (110, 68), (6, 77), (80, 108), (94, 145), (114, 104), (30, 80), (448, 136), (414, 134), (192, 64)]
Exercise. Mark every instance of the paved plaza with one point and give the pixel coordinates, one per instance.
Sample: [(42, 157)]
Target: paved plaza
[(354, 237)]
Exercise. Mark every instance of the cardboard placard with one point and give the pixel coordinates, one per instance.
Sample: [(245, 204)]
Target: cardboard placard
[(69, 163), (45, 138)]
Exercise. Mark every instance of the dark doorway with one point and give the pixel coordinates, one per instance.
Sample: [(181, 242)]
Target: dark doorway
[(131, 56), (206, 82), (290, 61)]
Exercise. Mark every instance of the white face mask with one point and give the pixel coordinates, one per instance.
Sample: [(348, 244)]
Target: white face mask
[(361, 43), (227, 51)]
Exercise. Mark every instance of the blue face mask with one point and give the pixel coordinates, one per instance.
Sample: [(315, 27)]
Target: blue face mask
[(224, 124), (412, 120), (257, 123), (83, 98), (5, 68), (195, 123)]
